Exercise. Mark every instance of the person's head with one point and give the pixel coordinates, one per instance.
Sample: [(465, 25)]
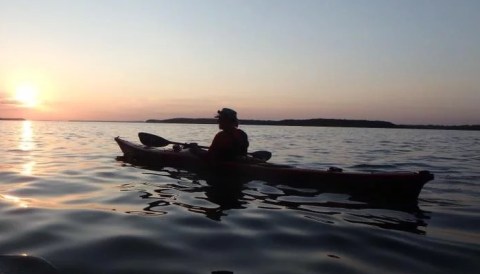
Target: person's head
[(227, 118)]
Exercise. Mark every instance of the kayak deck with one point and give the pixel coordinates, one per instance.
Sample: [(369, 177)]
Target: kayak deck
[(387, 186)]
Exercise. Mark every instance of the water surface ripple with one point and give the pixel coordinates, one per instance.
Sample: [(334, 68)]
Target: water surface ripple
[(65, 197)]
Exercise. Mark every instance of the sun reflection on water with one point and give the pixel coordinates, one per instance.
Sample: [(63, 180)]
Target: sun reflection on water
[(27, 168), (27, 144), (26, 140), (15, 200)]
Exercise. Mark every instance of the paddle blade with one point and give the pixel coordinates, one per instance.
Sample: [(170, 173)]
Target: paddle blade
[(261, 155), (152, 140)]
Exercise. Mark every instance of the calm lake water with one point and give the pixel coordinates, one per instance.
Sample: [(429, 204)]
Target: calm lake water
[(64, 197)]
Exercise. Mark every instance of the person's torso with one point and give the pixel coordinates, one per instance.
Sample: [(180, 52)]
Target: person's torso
[(229, 145)]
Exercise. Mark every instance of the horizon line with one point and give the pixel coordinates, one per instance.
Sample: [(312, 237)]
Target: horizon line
[(213, 119)]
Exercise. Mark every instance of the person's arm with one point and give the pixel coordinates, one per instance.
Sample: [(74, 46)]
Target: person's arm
[(243, 142)]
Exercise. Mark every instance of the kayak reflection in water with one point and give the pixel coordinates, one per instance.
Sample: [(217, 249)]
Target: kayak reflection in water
[(230, 143)]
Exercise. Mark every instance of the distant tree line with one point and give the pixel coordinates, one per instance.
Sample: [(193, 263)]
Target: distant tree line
[(317, 123), (12, 119)]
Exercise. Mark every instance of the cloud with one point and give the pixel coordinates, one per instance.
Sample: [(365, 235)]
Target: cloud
[(9, 102), (4, 100)]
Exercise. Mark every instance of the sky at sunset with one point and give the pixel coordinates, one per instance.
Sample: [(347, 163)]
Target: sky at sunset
[(408, 62)]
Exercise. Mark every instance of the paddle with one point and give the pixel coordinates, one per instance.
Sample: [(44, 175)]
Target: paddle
[(152, 140)]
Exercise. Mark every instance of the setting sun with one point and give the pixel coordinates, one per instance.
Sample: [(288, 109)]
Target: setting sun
[(27, 95)]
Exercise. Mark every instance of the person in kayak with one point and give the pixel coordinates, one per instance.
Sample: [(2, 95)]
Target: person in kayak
[(230, 143)]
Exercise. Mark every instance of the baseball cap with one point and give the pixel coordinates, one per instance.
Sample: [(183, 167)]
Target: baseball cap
[(227, 113)]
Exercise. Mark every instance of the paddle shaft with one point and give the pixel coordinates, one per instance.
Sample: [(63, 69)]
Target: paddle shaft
[(187, 145), (153, 140)]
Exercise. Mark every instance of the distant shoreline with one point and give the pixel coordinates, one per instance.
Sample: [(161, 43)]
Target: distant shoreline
[(317, 123), (12, 119)]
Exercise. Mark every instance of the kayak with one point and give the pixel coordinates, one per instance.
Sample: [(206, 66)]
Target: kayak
[(387, 186)]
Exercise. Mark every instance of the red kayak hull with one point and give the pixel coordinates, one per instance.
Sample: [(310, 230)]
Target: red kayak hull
[(389, 186)]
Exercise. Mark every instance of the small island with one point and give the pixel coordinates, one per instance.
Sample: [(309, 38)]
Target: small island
[(12, 119), (319, 122)]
